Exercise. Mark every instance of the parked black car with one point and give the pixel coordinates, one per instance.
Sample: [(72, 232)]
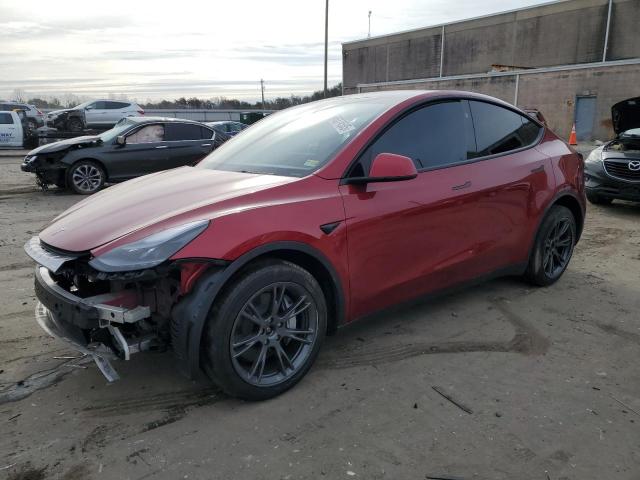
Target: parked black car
[(612, 171), (228, 127), (135, 146)]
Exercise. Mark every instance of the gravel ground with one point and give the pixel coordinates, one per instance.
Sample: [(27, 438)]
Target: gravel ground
[(543, 381)]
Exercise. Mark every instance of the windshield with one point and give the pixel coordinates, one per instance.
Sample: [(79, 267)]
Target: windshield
[(298, 140), (110, 135), (82, 105)]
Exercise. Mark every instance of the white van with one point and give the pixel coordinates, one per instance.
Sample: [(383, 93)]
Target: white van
[(11, 132)]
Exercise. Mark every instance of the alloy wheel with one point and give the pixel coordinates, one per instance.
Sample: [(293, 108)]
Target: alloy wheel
[(87, 178), (273, 335), (557, 248)]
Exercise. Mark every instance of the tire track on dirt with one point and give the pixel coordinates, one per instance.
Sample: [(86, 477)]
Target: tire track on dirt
[(181, 399), (526, 340)]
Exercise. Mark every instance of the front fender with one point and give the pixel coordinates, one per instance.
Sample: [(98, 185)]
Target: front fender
[(190, 314)]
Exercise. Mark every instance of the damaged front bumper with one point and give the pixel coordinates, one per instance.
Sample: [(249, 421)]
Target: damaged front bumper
[(69, 317)]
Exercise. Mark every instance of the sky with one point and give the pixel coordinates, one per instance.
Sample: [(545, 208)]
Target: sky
[(145, 50)]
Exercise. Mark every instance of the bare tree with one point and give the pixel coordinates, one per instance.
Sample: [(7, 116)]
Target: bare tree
[(19, 95)]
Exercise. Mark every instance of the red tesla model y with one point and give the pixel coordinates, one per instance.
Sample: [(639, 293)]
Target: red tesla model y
[(311, 218)]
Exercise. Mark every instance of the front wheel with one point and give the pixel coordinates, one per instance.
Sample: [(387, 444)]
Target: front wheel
[(75, 125), (266, 330), (553, 247), (85, 177)]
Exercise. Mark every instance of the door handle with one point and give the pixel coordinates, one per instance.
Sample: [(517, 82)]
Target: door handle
[(205, 145), (162, 146), (538, 169), (466, 184)]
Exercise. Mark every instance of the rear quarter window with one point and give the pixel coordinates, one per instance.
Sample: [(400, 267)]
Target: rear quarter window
[(6, 118)]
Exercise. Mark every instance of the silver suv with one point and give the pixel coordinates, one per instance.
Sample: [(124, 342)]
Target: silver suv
[(93, 114), (35, 117)]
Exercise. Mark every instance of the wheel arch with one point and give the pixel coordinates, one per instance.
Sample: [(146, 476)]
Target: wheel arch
[(190, 314), (571, 202), (566, 199)]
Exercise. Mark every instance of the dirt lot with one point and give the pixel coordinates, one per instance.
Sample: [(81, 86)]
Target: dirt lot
[(549, 378)]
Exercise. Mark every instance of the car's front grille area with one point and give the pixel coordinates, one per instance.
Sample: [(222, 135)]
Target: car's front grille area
[(620, 169)]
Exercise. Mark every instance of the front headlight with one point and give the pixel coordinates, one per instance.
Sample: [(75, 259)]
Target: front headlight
[(595, 156), (149, 251), (28, 160)]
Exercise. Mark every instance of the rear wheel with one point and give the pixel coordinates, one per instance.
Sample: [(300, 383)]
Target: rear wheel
[(265, 332), (85, 177), (553, 247), (597, 199)]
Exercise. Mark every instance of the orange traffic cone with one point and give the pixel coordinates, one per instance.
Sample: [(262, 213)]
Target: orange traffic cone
[(572, 137)]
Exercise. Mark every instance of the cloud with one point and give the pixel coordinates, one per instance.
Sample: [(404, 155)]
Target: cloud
[(82, 46)]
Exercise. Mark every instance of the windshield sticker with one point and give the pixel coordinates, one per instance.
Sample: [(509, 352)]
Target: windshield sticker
[(341, 125), (311, 163)]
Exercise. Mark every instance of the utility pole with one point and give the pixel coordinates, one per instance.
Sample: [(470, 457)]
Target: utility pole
[(262, 89), (369, 34), (326, 42)]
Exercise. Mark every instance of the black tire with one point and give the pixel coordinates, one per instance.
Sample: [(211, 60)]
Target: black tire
[(553, 247), (597, 199), (85, 177), (75, 125), (234, 343)]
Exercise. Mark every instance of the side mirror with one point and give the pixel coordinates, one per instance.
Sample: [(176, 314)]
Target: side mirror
[(387, 167), (121, 140)]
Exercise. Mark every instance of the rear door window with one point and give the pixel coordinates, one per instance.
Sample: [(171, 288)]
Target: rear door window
[(183, 131), (6, 119), (500, 130), (433, 136), (116, 105)]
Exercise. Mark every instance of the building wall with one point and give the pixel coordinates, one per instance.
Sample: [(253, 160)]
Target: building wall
[(553, 93), (563, 33)]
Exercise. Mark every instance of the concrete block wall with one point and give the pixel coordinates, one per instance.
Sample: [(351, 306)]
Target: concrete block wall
[(562, 33)]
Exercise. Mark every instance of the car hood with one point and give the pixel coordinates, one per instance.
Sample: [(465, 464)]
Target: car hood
[(54, 113), (86, 141), (172, 197), (625, 115)]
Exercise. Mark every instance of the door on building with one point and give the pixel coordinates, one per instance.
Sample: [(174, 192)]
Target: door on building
[(585, 117)]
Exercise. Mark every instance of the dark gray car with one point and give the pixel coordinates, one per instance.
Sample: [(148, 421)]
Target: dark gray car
[(135, 146), (612, 171)]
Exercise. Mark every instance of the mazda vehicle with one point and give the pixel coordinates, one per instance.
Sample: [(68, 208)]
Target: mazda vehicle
[(315, 216), (135, 146), (612, 171)]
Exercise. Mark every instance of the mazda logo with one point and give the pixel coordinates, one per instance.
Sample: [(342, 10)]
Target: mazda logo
[(634, 165)]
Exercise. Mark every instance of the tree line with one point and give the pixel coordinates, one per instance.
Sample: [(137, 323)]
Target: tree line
[(278, 103)]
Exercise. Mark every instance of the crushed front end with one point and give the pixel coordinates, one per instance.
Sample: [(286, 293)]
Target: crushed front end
[(104, 315)]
